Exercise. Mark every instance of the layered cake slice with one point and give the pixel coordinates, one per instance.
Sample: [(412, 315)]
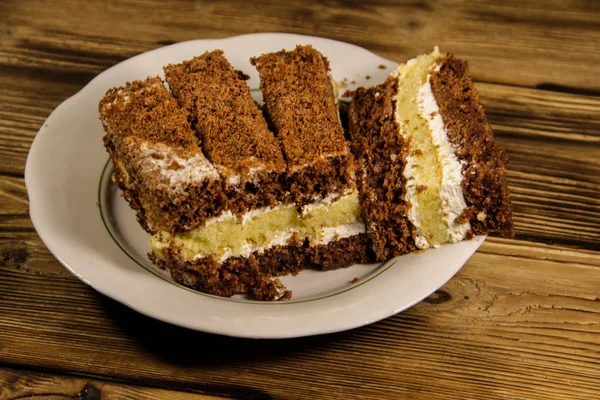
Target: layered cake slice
[(158, 164), (232, 129), (302, 108), (300, 102), (431, 169), (261, 232), (228, 256)]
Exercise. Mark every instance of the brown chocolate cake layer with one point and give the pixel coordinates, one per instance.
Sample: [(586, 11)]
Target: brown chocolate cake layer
[(484, 185), (164, 175), (340, 253), (302, 109), (233, 132), (380, 154), (253, 275)]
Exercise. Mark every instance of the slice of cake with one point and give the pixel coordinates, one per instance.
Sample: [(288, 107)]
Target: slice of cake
[(259, 231), (300, 102), (164, 175), (232, 129), (431, 169), (228, 256), (302, 108)]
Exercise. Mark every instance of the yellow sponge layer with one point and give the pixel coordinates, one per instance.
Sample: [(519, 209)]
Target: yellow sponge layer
[(427, 171)]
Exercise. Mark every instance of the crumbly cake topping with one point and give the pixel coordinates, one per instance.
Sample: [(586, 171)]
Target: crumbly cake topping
[(234, 133), (146, 110), (301, 105), (144, 117), (484, 183)]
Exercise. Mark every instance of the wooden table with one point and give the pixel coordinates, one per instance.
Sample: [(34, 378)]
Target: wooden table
[(521, 320)]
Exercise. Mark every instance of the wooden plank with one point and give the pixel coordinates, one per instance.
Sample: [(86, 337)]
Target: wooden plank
[(23, 110), (25, 251), (19, 384), (555, 193), (13, 196), (549, 44), (514, 304)]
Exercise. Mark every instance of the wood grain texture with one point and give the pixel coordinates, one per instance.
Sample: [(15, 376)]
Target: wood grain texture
[(18, 385), (521, 320), (553, 141), (535, 43), (512, 324)]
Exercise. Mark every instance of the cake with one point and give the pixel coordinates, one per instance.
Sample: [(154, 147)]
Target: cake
[(262, 225), (301, 106), (234, 196), (164, 175), (431, 169), (232, 130)]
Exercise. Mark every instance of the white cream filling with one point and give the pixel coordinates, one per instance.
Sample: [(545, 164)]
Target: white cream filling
[(250, 215), (235, 179), (179, 172), (410, 173), (331, 234), (451, 193), (411, 195)]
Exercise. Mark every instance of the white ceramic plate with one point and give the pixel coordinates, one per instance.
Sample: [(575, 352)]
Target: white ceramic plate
[(80, 216)]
